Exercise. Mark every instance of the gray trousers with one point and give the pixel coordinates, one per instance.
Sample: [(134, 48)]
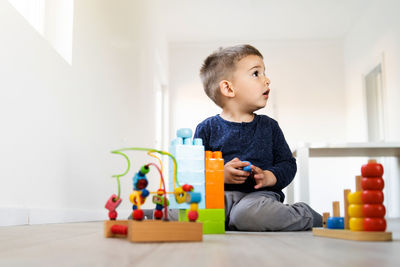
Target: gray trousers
[(262, 211)]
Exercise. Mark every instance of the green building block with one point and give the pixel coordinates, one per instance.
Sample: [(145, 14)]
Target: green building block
[(213, 227), (213, 220)]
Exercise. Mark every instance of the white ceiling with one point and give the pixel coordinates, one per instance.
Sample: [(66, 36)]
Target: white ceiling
[(211, 20)]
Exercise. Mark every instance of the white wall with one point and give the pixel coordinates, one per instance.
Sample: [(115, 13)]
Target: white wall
[(60, 122), (376, 33)]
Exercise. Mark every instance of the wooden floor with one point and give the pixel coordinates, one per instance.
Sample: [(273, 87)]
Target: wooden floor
[(83, 244)]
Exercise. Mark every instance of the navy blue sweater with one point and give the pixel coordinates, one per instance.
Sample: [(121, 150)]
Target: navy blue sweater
[(260, 141)]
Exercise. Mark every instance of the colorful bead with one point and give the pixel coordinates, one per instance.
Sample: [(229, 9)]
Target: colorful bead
[(355, 198), (160, 192), (158, 214), (138, 215), (112, 214), (372, 183), (372, 197), (356, 210), (180, 195), (160, 200), (145, 193), (187, 187), (133, 197), (193, 197), (374, 210), (372, 170), (144, 170), (113, 202), (335, 223), (356, 224), (375, 224), (119, 229), (194, 206), (193, 215)]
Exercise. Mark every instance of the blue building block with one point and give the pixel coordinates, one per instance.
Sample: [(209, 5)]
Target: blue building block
[(184, 133), (189, 155), (248, 167), (197, 142), (191, 177), (190, 165)]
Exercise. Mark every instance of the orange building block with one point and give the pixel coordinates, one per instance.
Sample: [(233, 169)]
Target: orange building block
[(214, 174)]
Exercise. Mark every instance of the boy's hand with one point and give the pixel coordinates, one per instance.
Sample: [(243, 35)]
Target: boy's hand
[(263, 178), (233, 173)]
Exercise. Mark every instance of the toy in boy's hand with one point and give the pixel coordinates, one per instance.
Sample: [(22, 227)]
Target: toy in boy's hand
[(248, 167)]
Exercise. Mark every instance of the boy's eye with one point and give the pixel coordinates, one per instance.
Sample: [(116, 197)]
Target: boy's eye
[(256, 73)]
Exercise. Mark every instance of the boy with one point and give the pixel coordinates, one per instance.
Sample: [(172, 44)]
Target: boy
[(234, 78)]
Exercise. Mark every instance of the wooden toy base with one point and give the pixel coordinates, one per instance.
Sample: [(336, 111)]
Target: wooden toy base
[(352, 235), (157, 231)]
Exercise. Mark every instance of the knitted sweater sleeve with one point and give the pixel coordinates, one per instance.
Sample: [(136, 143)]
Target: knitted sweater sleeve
[(202, 131), (284, 164)]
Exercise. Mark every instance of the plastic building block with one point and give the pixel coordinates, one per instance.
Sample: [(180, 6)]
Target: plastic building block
[(248, 167), (188, 141), (214, 160), (214, 228), (197, 142), (214, 164), (213, 220), (189, 155), (184, 133)]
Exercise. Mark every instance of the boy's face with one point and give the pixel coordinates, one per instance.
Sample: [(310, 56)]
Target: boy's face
[(250, 84)]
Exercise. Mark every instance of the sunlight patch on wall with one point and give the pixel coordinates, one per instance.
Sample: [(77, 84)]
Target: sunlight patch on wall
[(53, 19)]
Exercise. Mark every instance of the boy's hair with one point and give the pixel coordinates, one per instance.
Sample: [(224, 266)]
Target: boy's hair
[(220, 65)]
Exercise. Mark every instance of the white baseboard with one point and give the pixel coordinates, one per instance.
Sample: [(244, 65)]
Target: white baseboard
[(21, 216), (13, 216)]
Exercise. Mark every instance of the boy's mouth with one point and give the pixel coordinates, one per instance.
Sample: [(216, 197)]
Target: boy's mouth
[(266, 93)]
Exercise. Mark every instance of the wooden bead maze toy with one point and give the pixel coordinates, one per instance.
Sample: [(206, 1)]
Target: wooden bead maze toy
[(160, 229), (364, 210)]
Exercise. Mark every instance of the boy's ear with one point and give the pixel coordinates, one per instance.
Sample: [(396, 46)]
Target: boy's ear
[(226, 88)]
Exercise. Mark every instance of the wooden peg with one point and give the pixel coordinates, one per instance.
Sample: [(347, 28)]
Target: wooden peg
[(336, 209), (372, 161), (325, 217), (346, 208), (358, 183)]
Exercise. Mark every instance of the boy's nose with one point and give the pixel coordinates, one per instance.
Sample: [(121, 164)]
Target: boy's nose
[(267, 81)]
